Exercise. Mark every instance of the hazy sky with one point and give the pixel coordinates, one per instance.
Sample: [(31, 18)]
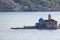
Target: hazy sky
[(19, 19)]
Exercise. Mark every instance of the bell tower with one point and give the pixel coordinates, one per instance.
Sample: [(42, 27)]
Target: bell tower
[(49, 17)]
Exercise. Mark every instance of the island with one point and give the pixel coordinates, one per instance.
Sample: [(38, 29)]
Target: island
[(43, 24)]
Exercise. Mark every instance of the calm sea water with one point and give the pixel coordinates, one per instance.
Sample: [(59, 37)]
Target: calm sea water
[(32, 34), (19, 19)]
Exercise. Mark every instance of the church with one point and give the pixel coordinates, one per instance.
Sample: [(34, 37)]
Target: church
[(46, 24), (43, 24)]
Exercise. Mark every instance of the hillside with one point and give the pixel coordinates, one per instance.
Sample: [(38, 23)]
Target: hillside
[(30, 5)]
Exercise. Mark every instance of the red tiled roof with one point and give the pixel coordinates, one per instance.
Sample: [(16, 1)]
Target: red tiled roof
[(50, 20)]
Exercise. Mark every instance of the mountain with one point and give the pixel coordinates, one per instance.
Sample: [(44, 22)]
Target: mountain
[(9, 5), (30, 5)]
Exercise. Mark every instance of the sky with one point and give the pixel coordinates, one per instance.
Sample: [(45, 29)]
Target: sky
[(20, 19)]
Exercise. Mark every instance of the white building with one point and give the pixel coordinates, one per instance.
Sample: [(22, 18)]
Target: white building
[(48, 24)]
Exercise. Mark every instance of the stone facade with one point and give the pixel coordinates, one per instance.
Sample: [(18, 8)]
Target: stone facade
[(48, 24)]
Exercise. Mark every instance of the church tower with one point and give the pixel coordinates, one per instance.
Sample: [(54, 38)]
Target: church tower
[(49, 17)]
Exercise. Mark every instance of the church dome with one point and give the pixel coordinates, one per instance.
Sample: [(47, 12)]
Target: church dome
[(41, 20)]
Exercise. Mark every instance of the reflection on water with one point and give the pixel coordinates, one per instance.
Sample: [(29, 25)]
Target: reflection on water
[(29, 34)]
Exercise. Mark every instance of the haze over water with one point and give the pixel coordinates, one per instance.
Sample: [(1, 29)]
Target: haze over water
[(20, 19)]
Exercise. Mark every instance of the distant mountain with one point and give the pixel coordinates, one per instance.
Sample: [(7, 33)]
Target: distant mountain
[(29, 5), (9, 5)]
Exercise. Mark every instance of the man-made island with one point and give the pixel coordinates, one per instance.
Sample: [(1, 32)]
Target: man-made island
[(43, 24)]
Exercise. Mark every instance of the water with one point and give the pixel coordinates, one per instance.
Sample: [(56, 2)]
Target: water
[(29, 34), (19, 19)]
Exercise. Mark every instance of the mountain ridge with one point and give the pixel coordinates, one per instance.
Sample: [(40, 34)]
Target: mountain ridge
[(29, 5)]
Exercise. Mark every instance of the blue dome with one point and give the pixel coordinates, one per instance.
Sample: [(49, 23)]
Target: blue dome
[(41, 20)]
